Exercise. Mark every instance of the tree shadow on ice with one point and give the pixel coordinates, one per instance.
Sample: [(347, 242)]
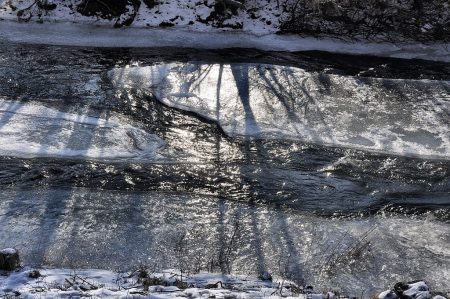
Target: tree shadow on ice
[(9, 110), (45, 209), (242, 81)]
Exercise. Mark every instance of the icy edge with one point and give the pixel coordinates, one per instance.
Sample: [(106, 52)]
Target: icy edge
[(90, 35)]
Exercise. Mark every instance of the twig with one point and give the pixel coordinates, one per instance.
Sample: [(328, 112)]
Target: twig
[(68, 281), (93, 287)]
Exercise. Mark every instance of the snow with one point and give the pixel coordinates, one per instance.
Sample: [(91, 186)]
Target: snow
[(402, 117), (8, 251), (418, 290), (33, 130), (57, 283), (387, 295)]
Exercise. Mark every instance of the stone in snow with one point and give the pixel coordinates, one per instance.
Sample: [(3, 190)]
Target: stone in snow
[(9, 259), (417, 290), (414, 290), (389, 294)]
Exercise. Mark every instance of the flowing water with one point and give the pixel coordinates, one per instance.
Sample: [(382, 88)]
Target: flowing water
[(329, 170)]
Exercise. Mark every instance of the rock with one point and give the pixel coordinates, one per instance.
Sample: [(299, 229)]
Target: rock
[(46, 5), (389, 294), (411, 290), (128, 16), (165, 24), (265, 276), (151, 281), (417, 290), (150, 3), (9, 259), (400, 287), (439, 297), (124, 10), (330, 295), (34, 274)]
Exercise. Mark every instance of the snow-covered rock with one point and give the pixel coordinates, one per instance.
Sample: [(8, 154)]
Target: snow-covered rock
[(389, 294), (412, 290), (9, 259), (417, 290)]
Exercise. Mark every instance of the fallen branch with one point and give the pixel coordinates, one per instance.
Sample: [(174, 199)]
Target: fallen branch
[(234, 3)]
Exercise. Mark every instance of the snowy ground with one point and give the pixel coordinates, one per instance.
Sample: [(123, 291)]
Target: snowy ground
[(265, 15), (63, 283)]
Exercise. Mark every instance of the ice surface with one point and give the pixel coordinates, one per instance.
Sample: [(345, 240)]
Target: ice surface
[(402, 117), (30, 130), (89, 35)]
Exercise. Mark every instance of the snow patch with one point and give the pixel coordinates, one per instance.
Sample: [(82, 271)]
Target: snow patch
[(8, 251)]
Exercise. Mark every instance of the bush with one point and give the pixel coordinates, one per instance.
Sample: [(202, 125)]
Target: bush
[(385, 19)]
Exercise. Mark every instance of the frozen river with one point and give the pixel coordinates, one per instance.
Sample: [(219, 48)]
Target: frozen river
[(330, 170)]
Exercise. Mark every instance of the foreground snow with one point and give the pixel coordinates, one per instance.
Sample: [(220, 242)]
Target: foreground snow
[(168, 284), (62, 283)]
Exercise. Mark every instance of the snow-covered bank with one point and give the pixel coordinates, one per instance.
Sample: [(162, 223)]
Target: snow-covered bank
[(57, 283), (376, 20), (90, 35), (62, 283)]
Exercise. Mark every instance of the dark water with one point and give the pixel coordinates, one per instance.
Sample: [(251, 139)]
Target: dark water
[(201, 174)]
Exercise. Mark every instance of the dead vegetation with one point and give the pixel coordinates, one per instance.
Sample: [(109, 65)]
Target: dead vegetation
[(390, 20)]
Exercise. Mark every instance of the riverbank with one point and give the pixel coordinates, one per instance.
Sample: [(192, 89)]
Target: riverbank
[(409, 20), (191, 24), (141, 283)]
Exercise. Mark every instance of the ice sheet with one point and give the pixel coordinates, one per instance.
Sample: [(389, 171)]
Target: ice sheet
[(396, 116), (33, 130)]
